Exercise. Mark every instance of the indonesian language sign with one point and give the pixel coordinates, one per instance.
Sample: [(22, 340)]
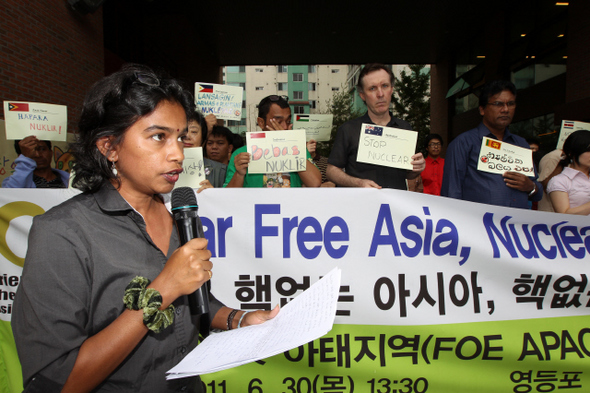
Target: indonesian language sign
[(436, 295), (276, 151), (193, 168), (567, 127), (224, 101), (499, 157), (45, 121), (387, 146), (317, 127)]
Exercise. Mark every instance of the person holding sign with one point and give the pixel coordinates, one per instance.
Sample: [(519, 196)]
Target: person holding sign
[(570, 190), (214, 171), (33, 166), (274, 114), (463, 180), (375, 87), (102, 305)]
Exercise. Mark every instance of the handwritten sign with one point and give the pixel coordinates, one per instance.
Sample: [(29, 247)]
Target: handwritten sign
[(224, 101), (276, 151), (45, 121), (193, 168), (317, 127), (499, 157), (387, 146), (568, 127)]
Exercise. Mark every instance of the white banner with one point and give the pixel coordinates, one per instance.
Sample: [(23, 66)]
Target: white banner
[(427, 282)]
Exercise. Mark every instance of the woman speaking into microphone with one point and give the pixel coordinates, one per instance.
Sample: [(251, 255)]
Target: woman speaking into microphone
[(101, 305)]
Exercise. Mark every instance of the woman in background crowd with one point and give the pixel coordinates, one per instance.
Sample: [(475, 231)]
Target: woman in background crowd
[(570, 190), (196, 135)]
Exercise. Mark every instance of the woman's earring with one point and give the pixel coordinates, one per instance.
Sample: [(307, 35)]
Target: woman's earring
[(114, 169)]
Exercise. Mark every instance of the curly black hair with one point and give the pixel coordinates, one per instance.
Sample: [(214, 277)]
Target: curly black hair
[(111, 107)]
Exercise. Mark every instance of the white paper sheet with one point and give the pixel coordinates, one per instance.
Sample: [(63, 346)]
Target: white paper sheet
[(305, 318)]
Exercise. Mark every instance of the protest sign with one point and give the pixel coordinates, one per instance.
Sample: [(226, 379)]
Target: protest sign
[(317, 127), (193, 170), (387, 146), (499, 157), (224, 101), (276, 151), (45, 121), (567, 127)]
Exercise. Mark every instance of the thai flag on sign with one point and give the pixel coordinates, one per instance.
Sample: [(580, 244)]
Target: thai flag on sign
[(374, 130), (18, 107), (568, 124), (205, 88)]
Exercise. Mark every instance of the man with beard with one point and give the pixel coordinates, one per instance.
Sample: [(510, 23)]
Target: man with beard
[(462, 180)]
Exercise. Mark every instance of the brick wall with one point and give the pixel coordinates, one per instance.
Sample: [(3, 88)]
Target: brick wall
[(49, 53)]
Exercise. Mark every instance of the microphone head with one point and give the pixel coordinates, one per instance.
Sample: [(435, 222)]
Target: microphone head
[(182, 198)]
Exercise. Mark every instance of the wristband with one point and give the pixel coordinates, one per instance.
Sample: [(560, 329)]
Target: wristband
[(230, 318), (533, 191), (242, 317)]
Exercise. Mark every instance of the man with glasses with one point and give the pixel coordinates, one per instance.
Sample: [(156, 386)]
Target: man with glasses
[(462, 180), (274, 114), (433, 173), (375, 87)]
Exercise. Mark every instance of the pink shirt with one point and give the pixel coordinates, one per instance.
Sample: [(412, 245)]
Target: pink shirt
[(575, 183)]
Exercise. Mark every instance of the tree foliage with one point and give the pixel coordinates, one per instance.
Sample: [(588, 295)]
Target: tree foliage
[(340, 105), (411, 100)]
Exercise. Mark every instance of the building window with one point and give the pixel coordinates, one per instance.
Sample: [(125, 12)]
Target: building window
[(297, 77), (259, 87), (282, 68), (282, 86), (335, 71), (239, 84), (312, 104), (259, 70), (311, 86), (300, 109), (335, 89), (311, 69), (297, 95)]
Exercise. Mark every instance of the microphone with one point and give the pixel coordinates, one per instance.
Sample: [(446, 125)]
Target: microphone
[(189, 226)]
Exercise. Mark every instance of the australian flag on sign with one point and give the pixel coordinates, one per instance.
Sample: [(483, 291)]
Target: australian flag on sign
[(374, 130)]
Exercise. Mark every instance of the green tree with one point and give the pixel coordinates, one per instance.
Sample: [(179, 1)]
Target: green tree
[(340, 105), (411, 100)]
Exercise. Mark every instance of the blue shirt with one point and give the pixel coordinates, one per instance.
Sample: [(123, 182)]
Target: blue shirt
[(462, 180)]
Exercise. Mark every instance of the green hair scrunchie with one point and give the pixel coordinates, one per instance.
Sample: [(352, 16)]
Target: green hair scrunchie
[(138, 296)]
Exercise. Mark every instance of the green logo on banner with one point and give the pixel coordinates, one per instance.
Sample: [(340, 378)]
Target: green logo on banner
[(9, 212)]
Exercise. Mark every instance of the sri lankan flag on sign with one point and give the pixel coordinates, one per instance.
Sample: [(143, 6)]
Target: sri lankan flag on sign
[(493, 144), (18, 107), (302, 118)]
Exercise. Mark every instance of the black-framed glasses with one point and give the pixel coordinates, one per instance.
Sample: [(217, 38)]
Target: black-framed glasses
[(500, 104), (147, 79), (434, 144)]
